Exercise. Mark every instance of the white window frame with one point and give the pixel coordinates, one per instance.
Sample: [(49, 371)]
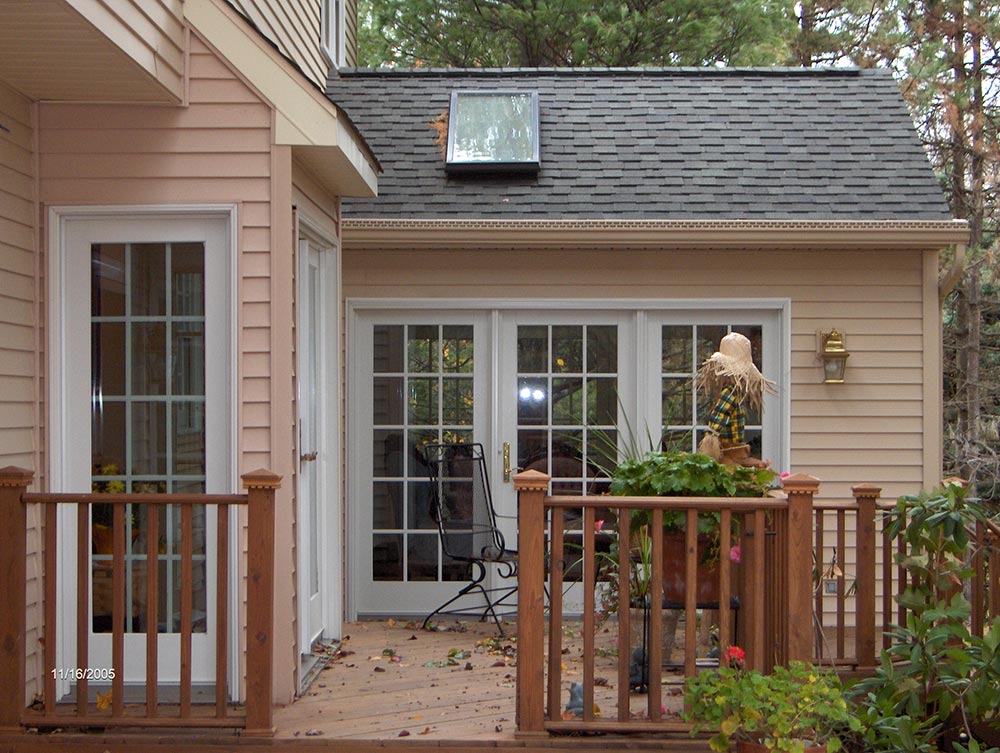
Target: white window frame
[(334, 32), (64, 466)]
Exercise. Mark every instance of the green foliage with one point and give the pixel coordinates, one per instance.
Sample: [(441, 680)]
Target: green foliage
[(937, 679), (495, 33), (786, 710), (687, 474)]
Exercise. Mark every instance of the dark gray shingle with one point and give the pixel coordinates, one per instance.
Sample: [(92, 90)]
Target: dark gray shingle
[(656, 144)]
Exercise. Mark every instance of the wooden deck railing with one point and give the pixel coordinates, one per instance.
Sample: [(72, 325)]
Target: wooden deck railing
[(774, 580), (254, 719)]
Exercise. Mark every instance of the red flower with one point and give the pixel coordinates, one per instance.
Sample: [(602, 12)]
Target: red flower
[(735, 656)]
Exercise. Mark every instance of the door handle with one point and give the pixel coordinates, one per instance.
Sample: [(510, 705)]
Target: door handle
[(307, 458), (506, 462)]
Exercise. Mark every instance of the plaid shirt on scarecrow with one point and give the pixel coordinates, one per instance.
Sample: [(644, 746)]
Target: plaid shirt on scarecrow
[(728, 418)]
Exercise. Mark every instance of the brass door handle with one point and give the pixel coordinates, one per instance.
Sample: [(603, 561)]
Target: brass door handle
[(308, 457)]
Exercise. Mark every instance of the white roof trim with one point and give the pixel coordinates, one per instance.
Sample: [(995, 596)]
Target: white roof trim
[(304, 118)]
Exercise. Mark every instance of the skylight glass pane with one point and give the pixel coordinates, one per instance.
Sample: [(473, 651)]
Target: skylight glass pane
[(493, 128)]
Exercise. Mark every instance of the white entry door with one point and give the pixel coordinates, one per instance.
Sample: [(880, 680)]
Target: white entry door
[(141, 375), (317, 347)]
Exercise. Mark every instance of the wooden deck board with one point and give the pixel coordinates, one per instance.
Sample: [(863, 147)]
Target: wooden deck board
[(385, 688)]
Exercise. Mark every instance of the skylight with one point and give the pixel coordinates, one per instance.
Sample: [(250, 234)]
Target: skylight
[(493, 131)]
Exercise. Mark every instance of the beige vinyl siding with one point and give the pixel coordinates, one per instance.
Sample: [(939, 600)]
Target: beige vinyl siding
[(871, 429), (19, 338), (295, 26)]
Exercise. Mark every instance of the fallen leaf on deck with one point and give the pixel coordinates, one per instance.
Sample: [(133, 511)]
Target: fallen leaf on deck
[(498, 728), (499, 664), (427, 731), (313, 732), (404, 733), (390, 622), (104, 700), (380, 669), (468, 666), (601, 682)]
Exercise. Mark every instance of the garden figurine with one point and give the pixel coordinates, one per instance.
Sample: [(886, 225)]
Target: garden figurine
[(731, 378)]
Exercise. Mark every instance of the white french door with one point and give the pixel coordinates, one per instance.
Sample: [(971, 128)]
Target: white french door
[(141, 402), (416, 378), (565, 390)]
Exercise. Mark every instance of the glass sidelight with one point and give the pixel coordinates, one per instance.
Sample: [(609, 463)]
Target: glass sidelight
[(148, 398)]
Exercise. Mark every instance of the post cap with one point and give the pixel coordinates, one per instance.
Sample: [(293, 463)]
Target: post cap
[(866, 490), (261, 478), (800, 482), (531, 481), (12, 475)]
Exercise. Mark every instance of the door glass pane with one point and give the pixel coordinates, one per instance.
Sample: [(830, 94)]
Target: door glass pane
[(429, 366), (684, 407), (148, 430), (563, 414)]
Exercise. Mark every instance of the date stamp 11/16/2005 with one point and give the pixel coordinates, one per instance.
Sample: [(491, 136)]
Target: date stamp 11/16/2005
[(83, 673)]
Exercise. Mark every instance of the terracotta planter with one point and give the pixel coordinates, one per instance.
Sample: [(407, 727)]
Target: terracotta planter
[(674, 557), (742, 746)]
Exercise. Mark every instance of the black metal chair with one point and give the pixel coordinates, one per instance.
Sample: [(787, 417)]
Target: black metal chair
[(462, 505)]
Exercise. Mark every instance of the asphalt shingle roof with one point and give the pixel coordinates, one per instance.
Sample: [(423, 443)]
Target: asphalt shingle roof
[(656, 144)]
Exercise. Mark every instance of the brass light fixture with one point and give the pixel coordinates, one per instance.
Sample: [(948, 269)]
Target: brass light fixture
[(834, 356)]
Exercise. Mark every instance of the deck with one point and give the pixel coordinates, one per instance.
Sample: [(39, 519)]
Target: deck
[(391, 685), (390, 680)]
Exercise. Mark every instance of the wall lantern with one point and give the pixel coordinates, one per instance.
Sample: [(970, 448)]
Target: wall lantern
[(834, 356)]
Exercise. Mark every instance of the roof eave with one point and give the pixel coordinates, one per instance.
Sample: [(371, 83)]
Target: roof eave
[(470, 234)]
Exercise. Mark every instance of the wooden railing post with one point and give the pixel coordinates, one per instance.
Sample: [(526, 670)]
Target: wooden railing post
[(13, 584), (531, 487), (261, 486), (800, 489), (864, 599)]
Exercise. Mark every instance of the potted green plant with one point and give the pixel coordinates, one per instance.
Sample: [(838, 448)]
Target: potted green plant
[(685, 474), (794, 709)]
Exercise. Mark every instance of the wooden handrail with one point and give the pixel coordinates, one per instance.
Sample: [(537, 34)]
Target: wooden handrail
[(14, 498)]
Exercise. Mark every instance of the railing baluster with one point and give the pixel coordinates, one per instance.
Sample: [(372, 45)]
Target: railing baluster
[(978, 586), (841, 582), (887, 581), (589, 583), (557, 567), (725, 612), (819, 606), (83, 627), (221, 611), (690, 591), (187, 588), (50, 609), (624, 611), (152, 608), (757, 589), (118, 611), (654, 647)]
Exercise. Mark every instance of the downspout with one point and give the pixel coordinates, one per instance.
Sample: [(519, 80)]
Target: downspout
[(953, 274)]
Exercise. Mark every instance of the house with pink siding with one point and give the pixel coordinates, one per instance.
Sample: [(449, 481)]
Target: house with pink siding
[(222, 249), (164, 167)]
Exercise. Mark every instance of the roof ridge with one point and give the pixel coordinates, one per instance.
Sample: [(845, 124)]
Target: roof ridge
[(825, 71)]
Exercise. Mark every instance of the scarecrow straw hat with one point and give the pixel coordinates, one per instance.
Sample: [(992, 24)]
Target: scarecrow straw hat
[(733, 363)]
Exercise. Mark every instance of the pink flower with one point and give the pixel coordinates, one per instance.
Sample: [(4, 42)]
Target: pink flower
[(735, 555), (784, 474), (598, 525)]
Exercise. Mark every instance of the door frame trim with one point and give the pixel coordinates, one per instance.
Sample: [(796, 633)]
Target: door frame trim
[(329, 424), (60, 220)]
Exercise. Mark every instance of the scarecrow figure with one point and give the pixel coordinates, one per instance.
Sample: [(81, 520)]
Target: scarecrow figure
[(730, 376)]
